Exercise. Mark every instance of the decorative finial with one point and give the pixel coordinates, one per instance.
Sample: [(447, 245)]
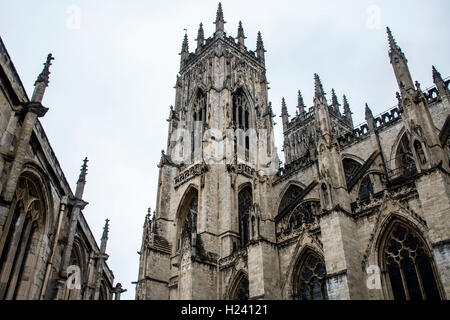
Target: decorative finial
[(105, 229), (241, 31), (319, 92), (393, 47), (185, 45), (219, 19), (200, 36), (436, 75), (346, 106), (83, 170), (334, 101), (44, 76), (259, 42), (369, 114)]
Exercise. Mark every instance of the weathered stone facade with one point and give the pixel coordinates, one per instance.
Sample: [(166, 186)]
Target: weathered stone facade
[(355, 213), (44, 236)]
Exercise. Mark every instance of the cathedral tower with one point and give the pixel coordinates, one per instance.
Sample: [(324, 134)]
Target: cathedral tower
[(213, 187)]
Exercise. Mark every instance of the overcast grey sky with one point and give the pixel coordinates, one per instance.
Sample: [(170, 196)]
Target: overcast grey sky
[(112, 79)]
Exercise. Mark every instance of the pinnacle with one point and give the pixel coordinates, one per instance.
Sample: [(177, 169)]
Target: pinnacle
[(318, 86), (219, 14), (44, 75), (185, 45)]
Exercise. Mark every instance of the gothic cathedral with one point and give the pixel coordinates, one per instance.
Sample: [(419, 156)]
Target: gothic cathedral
[(354, 212)]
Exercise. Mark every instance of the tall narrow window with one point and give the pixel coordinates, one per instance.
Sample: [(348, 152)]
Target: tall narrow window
[(366, 188), (187, 223), (405, 159), (241, 119), (20, 230), (245, 202), (409, 265), (199, 119), (309, 278), (241, 291)]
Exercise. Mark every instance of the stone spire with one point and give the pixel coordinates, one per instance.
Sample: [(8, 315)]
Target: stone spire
[(200, 37), (104, 238), (284, 114), (347, 112), (42, 81), (301, 105), (440, 85), (393, 47), (185, 45), (81, 180), (437, 76), (260, 48), (321, 110), (220, 22), (369, 118), (334, 101), (400, 65), (318, 88), (241, 37), (184, 51)]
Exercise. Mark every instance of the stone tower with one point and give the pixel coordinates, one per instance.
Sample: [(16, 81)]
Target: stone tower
[(354, 213), (213, 191)]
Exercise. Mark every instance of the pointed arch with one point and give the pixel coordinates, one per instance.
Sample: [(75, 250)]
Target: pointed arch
[(239, 287), (366, 189), (351, 167), (308, 277), (407, 263), (288, 194), (187, 215), (245, 205), (26, 225)]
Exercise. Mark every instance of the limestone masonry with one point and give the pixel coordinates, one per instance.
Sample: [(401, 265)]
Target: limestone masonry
[(354, 213)]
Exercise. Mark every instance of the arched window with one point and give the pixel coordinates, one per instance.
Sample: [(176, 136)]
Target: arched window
[(241, 290), (199, 119), (366, 188), (309, 278), (187, 223), (304, 214), (77, 258), (289, 197), (408, 264), (241, 120), (405, 159), (245, 203), (20, 230), (419, 152), (351, 167)]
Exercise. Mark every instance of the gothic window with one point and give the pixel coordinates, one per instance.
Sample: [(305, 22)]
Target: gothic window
[(289, 197), (419, 152), (303, 214), (351, 167), (405, 159), (366, 188), (245, 202), (325, 195), (241, 292), (241, 120), (20, 230), (77, 259), (409, 265), (188, 217), (309, 279), (199, 118)]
